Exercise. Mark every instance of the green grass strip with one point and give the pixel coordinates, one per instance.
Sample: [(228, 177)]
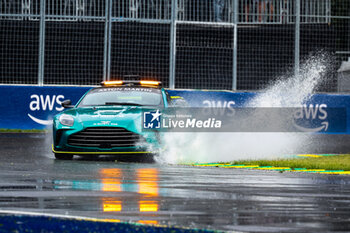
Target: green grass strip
[(340, 162)]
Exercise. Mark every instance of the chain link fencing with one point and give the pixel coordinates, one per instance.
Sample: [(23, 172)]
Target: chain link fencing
[(197, 44)]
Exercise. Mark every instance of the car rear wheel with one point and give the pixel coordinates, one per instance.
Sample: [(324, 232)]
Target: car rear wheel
[(63, 156)]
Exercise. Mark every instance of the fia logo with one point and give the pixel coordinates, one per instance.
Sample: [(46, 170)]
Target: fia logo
[(151, 120)]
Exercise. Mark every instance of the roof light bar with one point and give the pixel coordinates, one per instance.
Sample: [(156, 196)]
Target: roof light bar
[(111, 83), (131, 83), (152, 83)]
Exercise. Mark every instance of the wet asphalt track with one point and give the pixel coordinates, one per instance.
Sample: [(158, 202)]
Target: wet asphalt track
[(212, 198)]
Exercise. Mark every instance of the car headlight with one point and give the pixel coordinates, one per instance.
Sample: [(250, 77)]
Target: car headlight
[(67, 120)]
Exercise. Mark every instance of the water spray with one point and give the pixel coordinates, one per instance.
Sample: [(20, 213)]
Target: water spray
[(287, 91)]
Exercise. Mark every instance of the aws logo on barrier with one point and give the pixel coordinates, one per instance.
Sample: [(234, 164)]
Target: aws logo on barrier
[(312, 118), (44, 103), (219, 104), (308, 118)]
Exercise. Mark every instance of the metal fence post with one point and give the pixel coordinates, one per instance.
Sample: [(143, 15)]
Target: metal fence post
[(41, 44), (172, 62), (107, 41), (297, 38), (235, 23)]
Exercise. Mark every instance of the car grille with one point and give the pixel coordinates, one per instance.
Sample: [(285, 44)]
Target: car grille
[(104, 137)]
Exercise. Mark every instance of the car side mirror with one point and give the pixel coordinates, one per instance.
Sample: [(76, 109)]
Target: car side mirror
[(67, 104)]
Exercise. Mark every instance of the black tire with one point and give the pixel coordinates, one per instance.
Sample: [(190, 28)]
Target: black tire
[(63, 156), (147, 158), (90, 157)]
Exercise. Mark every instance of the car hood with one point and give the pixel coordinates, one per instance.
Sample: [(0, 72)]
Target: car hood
[(128, 117)]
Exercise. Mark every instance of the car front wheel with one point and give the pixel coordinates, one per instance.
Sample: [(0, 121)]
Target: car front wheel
[(63, 156)]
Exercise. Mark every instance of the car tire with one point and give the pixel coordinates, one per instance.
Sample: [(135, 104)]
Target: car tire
[(147, 158), (63, 156), (90, 157)]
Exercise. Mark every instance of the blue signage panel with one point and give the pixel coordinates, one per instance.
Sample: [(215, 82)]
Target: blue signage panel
[(214, 99), (32, 107)]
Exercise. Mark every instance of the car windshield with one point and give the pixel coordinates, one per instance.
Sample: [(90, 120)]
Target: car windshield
[(122, 96)]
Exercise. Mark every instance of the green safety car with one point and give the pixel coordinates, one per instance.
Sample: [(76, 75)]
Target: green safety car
[(108, 120)]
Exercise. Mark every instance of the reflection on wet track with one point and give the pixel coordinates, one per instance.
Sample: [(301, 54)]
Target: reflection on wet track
[(143, 181), (212, 198)]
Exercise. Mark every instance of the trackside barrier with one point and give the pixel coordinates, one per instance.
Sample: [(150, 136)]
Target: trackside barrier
[(32, 107)]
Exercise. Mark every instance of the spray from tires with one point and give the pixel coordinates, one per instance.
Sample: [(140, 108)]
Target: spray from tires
[(287, 91)]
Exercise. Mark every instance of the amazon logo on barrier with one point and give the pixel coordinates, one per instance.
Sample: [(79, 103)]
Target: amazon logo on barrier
[(314, 114), (44, 103)]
